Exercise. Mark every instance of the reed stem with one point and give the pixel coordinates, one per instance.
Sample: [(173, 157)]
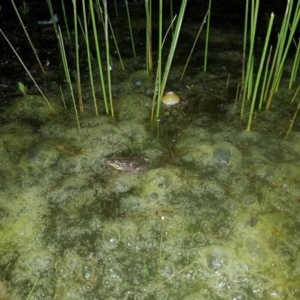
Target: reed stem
[(161, 81), (26, 69), (101, 20), (159, 63), (248, 84), (130, 30), (245, 42), (116, 45), (108, 64), (149, 61), (87, 42), (264, 84), (207, 37), (99, 60), (284, 42), (261, 64), (288, 132), (194, 44), (78, 74), (171, 15), (28, 38), (66, 20), (295, 65), (67, 73), (173, 47)]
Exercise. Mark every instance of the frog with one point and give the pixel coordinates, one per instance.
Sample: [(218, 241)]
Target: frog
[(133, 164)]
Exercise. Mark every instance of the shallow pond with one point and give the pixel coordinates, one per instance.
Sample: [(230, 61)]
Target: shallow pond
[(215, 215)]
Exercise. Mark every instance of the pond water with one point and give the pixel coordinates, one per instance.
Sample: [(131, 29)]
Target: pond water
[(214, 215)]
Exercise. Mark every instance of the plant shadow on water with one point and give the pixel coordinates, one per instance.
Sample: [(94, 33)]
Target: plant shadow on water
[(214, 215)]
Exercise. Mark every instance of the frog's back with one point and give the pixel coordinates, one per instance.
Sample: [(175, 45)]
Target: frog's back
[(129, 163)]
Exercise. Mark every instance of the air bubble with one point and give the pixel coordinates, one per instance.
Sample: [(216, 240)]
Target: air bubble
[(114, 273), (216, 259), (167, 269), (111, 237)]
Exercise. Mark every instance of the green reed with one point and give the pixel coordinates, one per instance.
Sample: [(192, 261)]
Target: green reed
[(248, 83), (66, 20), (259, 73), (89, 19), (64, 60), (161, 78), (207, 37), (28, 38), (108, 63), (130, 30), (158, 80), (274, 65), (194, 44), (99, 59), (295, 67), (149, 61), (77, 57), (116, 45), (26, 69), (88, 51), (264, 83), (101, 20), (245, 46), (67, 73), (286, 34), (292, 122)]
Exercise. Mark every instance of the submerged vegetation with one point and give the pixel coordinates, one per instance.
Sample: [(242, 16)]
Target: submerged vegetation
[(273, 66)]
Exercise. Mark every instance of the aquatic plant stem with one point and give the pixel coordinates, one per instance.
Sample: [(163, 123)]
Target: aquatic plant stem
[(67, 73), (49, 3), (248, 84), (66, 19), (157, 90), (241, 93), (130, 30), (161, 81), (116, 45), (28, 38), (207, 37), (264, 84), (78, 74), (261, 64), (296, 93), (100, 17), (245, 42), (99, 60), (172, 50), (87, 42), (26, 69), (194, 44), (171, 15), (285, 42), (108, 65), (295, 65), (294, 116), (62, 97), (149, 61)]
